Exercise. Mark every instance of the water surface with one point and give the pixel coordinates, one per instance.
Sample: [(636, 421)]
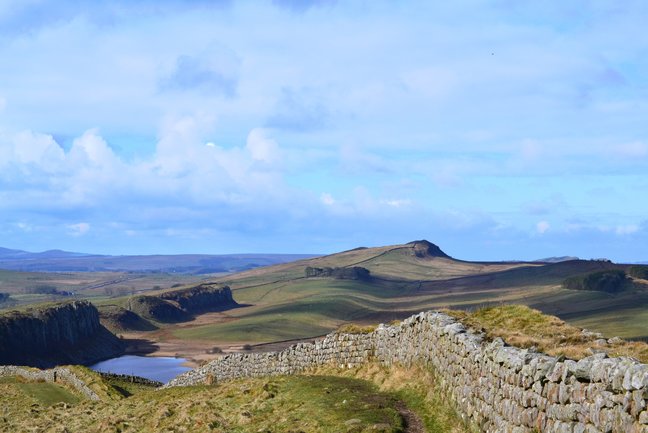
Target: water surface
[(162, 369)]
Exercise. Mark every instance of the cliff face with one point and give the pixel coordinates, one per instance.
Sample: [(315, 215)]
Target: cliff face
[(205, 297), (68, 333), (179, 305)]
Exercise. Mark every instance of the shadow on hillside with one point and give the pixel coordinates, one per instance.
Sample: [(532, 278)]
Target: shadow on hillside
[(139, 346), (553, 273), (196, 313)]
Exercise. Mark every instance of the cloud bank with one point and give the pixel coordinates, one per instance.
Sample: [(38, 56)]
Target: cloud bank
[(505, 130)]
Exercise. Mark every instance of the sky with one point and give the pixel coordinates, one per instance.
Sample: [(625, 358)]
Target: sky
[(496, 129)]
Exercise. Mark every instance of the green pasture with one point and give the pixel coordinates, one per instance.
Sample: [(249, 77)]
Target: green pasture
[(43, 393)]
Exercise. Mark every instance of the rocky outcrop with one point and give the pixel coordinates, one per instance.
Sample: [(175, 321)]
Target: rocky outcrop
[(351, 273), (118, 319), (68, 333), (425, 248), (202, 298), (156, 309), (180, 305), (496, 387)]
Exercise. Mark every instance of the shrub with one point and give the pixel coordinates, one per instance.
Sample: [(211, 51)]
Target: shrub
[(43, 289), (639, 272)]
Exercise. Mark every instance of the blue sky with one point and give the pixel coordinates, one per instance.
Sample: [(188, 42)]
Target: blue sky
[(496, 129)]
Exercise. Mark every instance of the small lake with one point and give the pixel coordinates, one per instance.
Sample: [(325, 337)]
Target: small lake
[(162, 369)]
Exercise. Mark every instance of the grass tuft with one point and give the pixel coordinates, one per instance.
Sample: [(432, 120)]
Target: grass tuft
[(526, 327), (352, 328)]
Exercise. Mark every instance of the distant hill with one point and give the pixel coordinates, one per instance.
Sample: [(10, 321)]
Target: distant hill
[(305, 298), (64, 261), (8, 254)]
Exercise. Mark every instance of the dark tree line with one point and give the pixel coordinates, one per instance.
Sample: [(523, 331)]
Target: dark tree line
[(610, 281)]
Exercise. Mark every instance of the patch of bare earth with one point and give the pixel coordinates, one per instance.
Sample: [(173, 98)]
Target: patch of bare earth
[(413, 423)]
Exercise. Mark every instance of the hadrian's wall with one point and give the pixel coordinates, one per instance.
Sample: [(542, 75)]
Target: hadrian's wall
[(498, 388), (58, 374)]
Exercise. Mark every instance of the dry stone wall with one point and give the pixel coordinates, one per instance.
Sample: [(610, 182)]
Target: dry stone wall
[(496, 387), (58, 374)]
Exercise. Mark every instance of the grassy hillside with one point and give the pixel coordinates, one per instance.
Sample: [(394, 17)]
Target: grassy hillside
[(18, 390), (317, 403), (364, 399), (282, 303), (525, 327), (37, 287)]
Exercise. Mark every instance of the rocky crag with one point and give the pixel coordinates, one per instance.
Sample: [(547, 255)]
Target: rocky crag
[(423, 249), (68, 333), (180, 305), (496, 387), (202, 298)]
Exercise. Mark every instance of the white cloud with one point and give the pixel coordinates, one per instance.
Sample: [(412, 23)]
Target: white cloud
[(91, 151), (432, 82), (78, 229), (261, 147), (634, 149), (327, 199), (627, 229), (31, 151), (24, 226), (397, 203), (176, 112), (542, 227), (182, 171)]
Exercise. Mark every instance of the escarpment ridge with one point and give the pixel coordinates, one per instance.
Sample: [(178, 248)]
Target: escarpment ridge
[(496, 387), (202, 298), (67, 333), (180, 305)]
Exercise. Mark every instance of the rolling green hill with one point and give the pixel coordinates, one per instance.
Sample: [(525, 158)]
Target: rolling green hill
[(282, 303), (366, 285)]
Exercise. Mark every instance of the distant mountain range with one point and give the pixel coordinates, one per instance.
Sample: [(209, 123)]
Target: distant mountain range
[(65, 261), (7, 254)]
